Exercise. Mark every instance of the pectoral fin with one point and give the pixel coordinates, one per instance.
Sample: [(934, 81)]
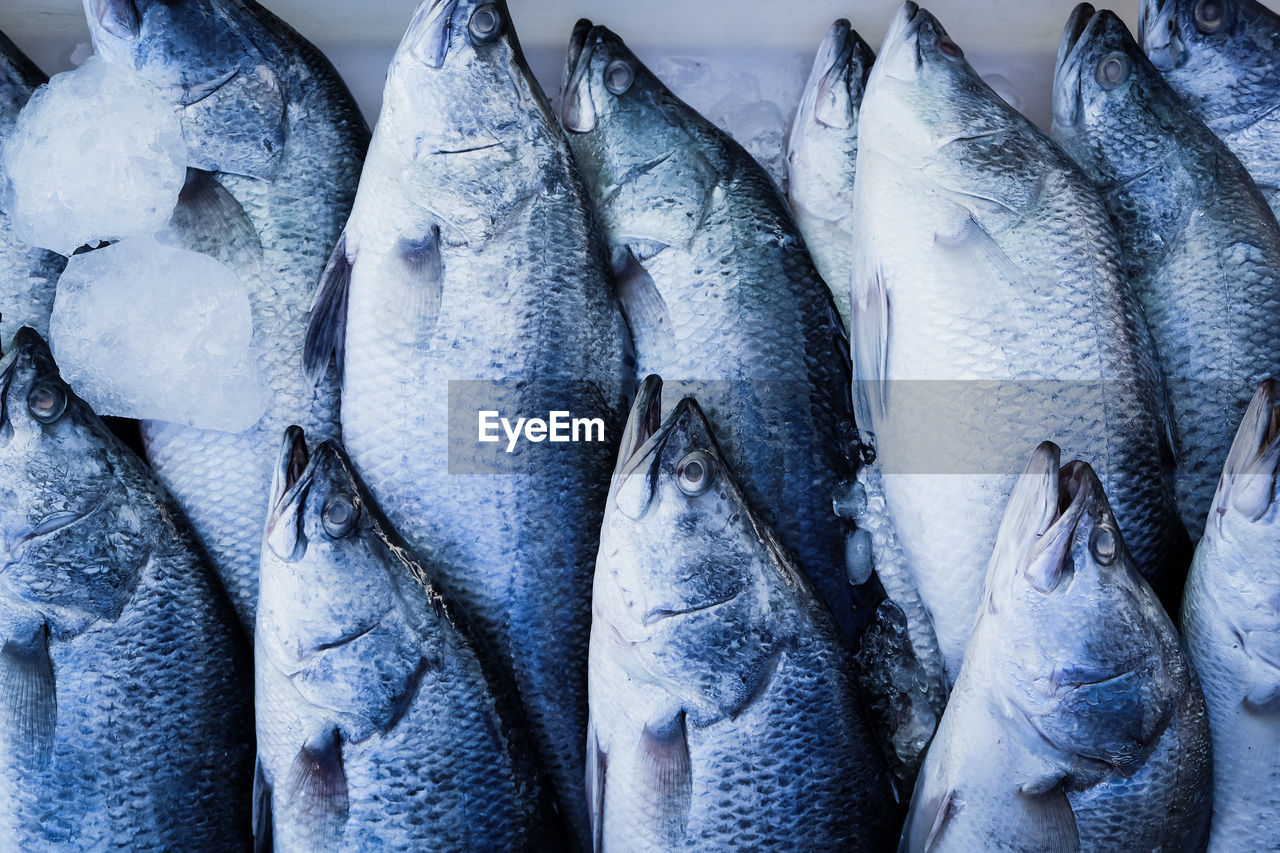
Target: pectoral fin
[(30, 699), (668, 774), (318, 786), (261, 815), (208, 219)]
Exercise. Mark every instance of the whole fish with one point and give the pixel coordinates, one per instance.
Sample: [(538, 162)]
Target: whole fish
[(990, 309), (276, 143), (471, 262), (1223, 58), (1076, 723), (1203, 248), (382, 721), (124, 678), (822, 155), (723, 715), (1231, 619), (28, 276)]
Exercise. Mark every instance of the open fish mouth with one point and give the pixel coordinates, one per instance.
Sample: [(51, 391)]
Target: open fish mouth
[(1067, 100), (578, 111)]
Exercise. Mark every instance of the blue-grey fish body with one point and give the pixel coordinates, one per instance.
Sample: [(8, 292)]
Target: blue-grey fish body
[(28, 276), (1231, 620), (723, 714), (1203, 248), (1076, 723), (991, 311), (471, 260), (267, 114), (382, 723), (1223, 58), (124, 680), (822, 155)]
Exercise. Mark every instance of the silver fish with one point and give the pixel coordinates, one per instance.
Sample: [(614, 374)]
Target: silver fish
[(1076, 723), (1203, 248), (276, 141), (1231, 619), (990, 309), (471, 262), (28, 276), (822, 155), (382, 720), (1223, 58), (722, 711), (125, 720)]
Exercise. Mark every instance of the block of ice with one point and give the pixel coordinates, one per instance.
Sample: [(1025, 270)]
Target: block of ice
[(145, 330), (95, 155)]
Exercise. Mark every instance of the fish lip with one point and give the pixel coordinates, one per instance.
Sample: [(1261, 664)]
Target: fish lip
[(1250, 481), (1067, 98), (903, 30), (832, 67), (577, 110), (1153, 15), (434, 22)]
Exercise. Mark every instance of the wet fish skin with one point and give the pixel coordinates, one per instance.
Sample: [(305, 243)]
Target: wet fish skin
[(124, 678), (367, 675), (1226, 67), (1232, 630), (722, 707), (1203, 248), (991, 309), (29, 275), (1077, 722), (822, 155), (471, 254), (277, 141)]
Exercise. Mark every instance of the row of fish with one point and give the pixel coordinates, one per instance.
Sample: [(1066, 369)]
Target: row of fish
[(764, 613)]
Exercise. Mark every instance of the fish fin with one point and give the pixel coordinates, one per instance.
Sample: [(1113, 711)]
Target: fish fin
[(327, 329), (869, 333), (1050, 823), (597, 772), (641, 301), (318, 786), (262, 831), (424, 267), (926, 826), (208, 219), (30, 697), (664, 756)]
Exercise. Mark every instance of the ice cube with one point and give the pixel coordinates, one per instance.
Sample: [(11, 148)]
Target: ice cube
[(97, 154), (145, 330)]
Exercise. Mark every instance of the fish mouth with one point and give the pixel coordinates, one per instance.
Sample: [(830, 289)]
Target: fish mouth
[(577, 109), (900, 54), (1159, 34), (117, 18), (638, 447), (1251, 476), (828, 97), (294, 473), (1067, 98), (430, 30)]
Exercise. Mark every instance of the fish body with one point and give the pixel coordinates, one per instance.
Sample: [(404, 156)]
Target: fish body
[(1203, 247), (822, 155), (471, 261), (30, 275), (1076, 722), (381, 720), (990, 309), (1231, 621), (124, 677), (276, 142), (723, 715), (1223, 58)]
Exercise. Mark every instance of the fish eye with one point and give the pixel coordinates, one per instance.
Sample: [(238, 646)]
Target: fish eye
[(339, 515), (619, 76), (1114, 70), (486, 23), (950, 49), (46, 402), (696, 473), (1104, 545), (1210, 15)]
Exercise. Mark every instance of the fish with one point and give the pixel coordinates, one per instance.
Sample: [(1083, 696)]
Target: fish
[(822, 155), (1076, 722), (1223, 58), (723, 711), (471, 277), (382, 719), (124, 677), (1231, 621), (275, 142), (30, 275), (990, 310), (1203, 247)]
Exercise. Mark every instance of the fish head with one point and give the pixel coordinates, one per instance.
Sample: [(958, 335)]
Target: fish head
[(218, 66), (684, 578), (338, 614), (72, 539), (1077, 643), (1112, 111)]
